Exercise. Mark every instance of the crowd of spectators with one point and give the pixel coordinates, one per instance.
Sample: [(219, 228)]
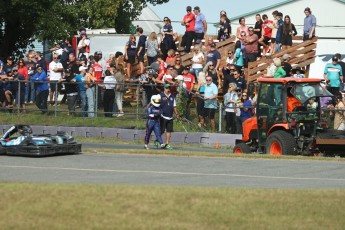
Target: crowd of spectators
[(88, 80)]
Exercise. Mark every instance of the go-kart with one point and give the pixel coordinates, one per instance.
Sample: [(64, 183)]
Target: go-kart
[(19, 140)]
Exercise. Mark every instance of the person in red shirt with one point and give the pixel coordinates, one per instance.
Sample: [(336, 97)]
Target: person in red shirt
[(189, 81), (266, 33), (189, 22), (97, 70), (162, 69)]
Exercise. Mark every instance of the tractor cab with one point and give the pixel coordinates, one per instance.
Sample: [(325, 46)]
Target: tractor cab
[(288, 114)]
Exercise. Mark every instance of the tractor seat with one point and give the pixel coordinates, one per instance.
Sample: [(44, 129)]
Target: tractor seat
[(300, 109)]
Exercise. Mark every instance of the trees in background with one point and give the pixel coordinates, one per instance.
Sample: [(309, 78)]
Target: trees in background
[(23, 21)]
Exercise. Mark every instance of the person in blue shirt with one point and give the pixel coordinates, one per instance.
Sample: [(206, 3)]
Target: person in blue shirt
[(80, 80), (210, 98), (333, 75), (154, 113), (40, 79), (238, 56)]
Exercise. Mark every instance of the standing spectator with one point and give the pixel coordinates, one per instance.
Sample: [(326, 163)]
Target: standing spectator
[(130, 53), (286, 65), (17, 88), (211, 95), (197, 60), (242, 28), (251, 43), (56, 70), (230, 58), (230, 101), (258, 30), (141, 49), (333, 75), (200, 92), (22, 69), (339, 118), (30, 88), (109, 93), (68, 49), (224, 29), (98, 75), (200, 25), (214, 56), (280, 23), (8, 65), (266, 33), (72, 65), (210, 71), (245, 105), (40, 78), (120, 88), (240, 82), (71, 91), (168, 41), (228, 76), (168, 106), (189, 22), (84, 45), (149, 84), (152, 48), (274, 27), (189, 80), (101, 60), (238, 57), (80, 80), (309, 25), (41, 61), (288, 31), (342, 65), (90, 82)]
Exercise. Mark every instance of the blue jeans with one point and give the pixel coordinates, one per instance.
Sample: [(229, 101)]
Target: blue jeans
[(153, 125), (196, 72), (32, 91), (83, 98), (90, 94)]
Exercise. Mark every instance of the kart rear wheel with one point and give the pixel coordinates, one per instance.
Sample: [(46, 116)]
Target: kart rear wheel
[(281, 143), (241, 148)]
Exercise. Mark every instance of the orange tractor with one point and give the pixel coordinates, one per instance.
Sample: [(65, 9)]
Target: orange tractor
[(289, 120)]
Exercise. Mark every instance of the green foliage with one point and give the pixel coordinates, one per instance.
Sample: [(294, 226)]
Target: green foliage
[(54, 20)]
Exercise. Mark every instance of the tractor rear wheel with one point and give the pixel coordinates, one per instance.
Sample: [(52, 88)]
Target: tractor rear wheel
[(241, 148), (281, 143)]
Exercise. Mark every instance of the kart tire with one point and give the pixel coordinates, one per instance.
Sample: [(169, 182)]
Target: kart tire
[(281, 143), (241, 148)]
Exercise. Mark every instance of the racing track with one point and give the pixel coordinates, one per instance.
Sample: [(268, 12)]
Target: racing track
[(138, 169)]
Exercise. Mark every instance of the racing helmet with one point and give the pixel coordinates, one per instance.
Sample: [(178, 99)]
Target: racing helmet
[(24, 130), (156, 100)]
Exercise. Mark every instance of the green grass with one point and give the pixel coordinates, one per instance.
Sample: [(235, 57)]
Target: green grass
[(61, 206)]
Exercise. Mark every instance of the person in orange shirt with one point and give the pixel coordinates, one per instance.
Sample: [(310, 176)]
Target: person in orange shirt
[(292, 101)]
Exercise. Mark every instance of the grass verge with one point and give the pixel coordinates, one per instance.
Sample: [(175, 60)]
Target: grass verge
[(61, 206)]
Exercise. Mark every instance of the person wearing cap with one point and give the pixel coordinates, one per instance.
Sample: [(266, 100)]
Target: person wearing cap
[(200, 25), (189, 22), (83, 45), (168, 106), (56, 70), (41, 82), (333, 76), (286, 65), (80, 80), (309, 25), (298, 72)]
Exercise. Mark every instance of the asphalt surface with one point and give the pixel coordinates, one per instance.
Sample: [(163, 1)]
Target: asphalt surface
[(132, 169)]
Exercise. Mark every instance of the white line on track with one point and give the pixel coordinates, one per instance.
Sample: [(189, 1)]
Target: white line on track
[(172, 173)]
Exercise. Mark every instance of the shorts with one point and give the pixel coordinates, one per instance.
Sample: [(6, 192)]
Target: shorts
[(166, 125), (55, 85), (141, 58), (266, 40), (273, 40), (131, 59), (210, 113)]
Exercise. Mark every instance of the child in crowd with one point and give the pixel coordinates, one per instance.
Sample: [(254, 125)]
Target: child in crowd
[(152, 124)]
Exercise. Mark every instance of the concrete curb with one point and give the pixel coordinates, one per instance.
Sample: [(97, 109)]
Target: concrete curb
[(206, 139)]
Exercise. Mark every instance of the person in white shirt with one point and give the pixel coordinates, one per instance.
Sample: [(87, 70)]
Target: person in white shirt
[(109, 93), (84, 45), (56, 70), (197, 60)]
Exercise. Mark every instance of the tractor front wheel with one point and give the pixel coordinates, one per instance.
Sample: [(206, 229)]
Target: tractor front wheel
[(241, 148), (281, 143)]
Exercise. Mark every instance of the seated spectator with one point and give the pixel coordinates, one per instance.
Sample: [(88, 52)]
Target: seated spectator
[(170, 60), (298, 72), (210, 71), (197, 60)]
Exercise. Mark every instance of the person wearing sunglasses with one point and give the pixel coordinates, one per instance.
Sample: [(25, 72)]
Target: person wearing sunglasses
[(210, 98), (189, 22)]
